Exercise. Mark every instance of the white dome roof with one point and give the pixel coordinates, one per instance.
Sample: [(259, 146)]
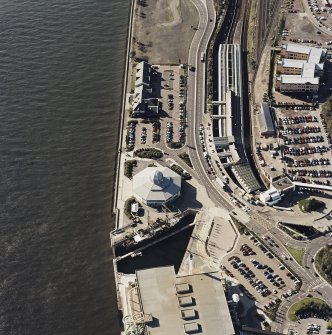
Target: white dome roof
[(156, 177)]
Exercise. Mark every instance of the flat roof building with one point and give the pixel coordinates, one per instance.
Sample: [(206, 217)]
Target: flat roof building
[(266, 125), (283, 185), (156, 186), (200, 308), (297, 83), (297, 51), (300, 68)]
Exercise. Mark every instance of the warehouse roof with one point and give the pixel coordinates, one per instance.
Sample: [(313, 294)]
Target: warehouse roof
[(205, 309), (265, 119)]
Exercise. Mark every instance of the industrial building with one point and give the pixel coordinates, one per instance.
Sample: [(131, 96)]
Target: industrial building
[(143, 103), (300, 68), (156, 186), (171, 304), (266, 124)]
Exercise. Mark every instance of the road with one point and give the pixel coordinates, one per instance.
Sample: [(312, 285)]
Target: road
[(196, 98)]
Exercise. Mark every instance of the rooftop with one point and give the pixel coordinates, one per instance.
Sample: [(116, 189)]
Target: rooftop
[(283, 184), (308, 70), (314, 54), (208, 314), (298, 79), (246, 177), (158, 184), (265, 119), (297, 63)]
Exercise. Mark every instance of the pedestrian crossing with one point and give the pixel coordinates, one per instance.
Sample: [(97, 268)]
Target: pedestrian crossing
[(263, 222), (316, 283)]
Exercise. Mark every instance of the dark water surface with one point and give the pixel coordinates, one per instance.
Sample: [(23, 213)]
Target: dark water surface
[(167, 252), (61, 67)]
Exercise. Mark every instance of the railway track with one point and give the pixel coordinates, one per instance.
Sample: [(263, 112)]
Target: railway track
[(267, 15)]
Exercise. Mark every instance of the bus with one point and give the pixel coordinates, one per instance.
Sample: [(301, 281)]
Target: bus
[(202, 56)]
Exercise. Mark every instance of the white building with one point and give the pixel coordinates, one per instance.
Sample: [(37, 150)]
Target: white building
[(156, 186), (270, 197)]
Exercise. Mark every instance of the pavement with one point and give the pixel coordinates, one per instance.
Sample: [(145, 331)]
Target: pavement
[(213, 238)]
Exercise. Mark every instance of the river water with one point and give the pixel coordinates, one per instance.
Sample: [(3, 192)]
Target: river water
[(61, 71)]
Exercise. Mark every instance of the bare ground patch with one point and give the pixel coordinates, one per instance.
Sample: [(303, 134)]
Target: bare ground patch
[(163, 30)]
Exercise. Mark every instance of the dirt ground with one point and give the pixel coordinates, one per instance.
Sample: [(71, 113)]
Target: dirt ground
[(160, 27)]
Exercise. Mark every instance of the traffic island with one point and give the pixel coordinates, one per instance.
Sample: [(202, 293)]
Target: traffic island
[(296, 253), (309, 307), (309, 205), (323, 263)]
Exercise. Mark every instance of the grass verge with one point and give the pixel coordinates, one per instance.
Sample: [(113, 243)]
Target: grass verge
[(133, 77), (296, 253), (251, 29)]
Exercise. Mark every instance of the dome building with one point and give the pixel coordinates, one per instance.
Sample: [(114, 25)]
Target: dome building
[(156, 186)]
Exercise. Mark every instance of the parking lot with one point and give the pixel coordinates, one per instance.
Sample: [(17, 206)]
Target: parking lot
[(303, 147), (321, 13), (311, 326), (298, 29), (173, 95), (264, 277), (169, 127)]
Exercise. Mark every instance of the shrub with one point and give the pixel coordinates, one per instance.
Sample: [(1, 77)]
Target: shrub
[(308, 205), (324, 263), (128, 168), (151, 153), (175, 145), (327, 114), (127, 206), (185, 157), (178, 169)]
